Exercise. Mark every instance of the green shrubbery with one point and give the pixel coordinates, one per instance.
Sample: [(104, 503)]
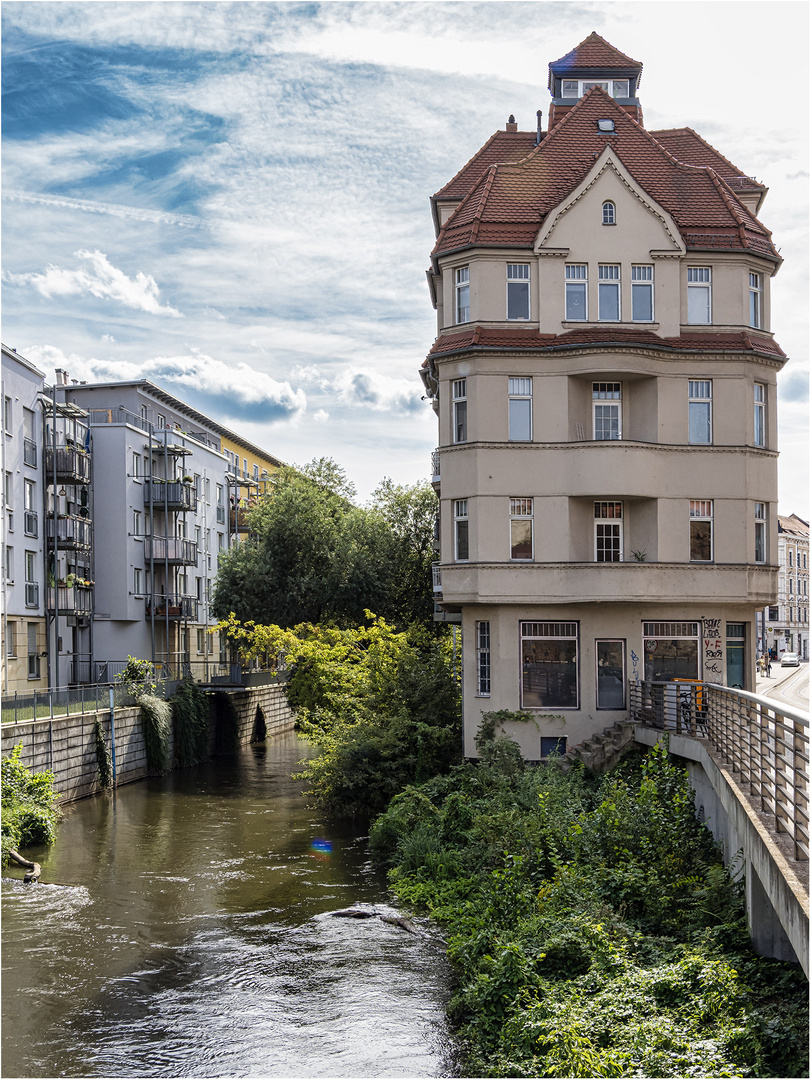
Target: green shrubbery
[(190, 709), (594, 928), (30, 815)]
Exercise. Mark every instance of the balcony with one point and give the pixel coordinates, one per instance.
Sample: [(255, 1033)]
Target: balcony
[(170, 494), (71, 599), (435, 478), (173, 607), (73, 533), (29, 452), (72, 465), (172, 549), (238, 519), (31, 523)]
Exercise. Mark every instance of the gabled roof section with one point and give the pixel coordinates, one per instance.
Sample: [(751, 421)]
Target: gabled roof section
[(793, 525), (503, 146), (594, 52), (508, 207), (688, 147)]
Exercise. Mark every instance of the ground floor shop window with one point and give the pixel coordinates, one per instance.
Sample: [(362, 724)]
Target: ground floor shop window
[(610, 657), (736, 650), (549, 673), (671, 650)]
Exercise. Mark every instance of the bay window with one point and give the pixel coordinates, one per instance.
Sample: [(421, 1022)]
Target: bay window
[(576, 292), (699, 295), (701, 530), (642, 293), (607, 532), (609, 293), (699, 426), (521, 529), (520, 409), (517, 290), (461, 283)]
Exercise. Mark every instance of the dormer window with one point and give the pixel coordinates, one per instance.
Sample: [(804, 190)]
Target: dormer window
[(609, 214), (576, 88)]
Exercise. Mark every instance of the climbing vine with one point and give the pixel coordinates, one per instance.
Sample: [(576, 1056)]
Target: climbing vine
[(104, 763), (190, 711), (156, 725)]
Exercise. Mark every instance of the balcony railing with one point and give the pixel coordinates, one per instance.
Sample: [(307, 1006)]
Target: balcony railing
[(31, 523), (29, 452), (173, 549), (765, 744), (436, 574), (71, 599), (173, 607), (32, 594), (435, 467), (71, 532), (72, 465), (170, 494)]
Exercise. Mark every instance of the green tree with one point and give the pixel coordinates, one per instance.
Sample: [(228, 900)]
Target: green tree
[(409, 511), (30, 813)]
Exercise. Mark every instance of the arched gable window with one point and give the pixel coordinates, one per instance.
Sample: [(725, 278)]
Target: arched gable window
[(609, 214)]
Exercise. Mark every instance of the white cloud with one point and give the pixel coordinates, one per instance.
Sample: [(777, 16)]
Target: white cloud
[(102, 280), (108, 339)]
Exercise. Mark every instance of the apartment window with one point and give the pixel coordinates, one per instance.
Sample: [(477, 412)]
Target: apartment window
[(671, 650), (576, 292), (30, 520), (136, 523), (144, 412), (198, 532), (483, 659), (8, 491), (245, 467), (790, 554), (220, 541), (461, 530), (608, 293), (256, 472), (33, 652), (207, 486), (29, 444), (161, 420), (461, 284), (520, 406), (760, 414), (549, 665), (760, 532), (642, 293), (774, 614), (8, 416), (736, 654), (517, 290), (198, 485), (790, 585), (609, 214), (31, 583), (10, 565), (607, 407), (138, 581), (701, 530), (607, 532), (199, 586), (459, 392), (699, 294), (755, 300), (136, 465), (700, 410), (11, 639), (521, 528), (201, 641), (610, 659)]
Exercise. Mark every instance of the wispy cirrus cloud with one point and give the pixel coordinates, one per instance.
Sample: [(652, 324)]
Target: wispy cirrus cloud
[(100, 279)]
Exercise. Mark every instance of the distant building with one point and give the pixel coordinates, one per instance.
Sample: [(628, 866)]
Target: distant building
[(604, 377), (786, 622), (134, 497)]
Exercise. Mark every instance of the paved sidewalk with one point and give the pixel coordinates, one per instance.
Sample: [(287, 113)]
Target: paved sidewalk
[(765, 682)]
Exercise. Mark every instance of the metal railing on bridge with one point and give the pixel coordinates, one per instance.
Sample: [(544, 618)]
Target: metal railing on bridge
[(765, 744)]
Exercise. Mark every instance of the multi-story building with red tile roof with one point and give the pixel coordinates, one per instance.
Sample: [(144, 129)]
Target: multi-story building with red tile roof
[(604, 376)]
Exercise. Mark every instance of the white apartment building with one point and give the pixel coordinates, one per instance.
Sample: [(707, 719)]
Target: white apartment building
[(785, 624), (604, 376)]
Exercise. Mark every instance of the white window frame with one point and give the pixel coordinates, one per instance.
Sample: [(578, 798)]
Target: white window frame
[(606, 400), (699, 401), (608, 529), (701, 510), (609, 213), (576, 88), (136, 465), (518, 284), (642, 284), (137, 581), (755, 300), (521, 510), (699, 295), (136, 523), (461, 529), (483, 659), (519, 407), (577, 284), (761, 536), (459, 410), (760, 414), (461, 295), (609, 284)]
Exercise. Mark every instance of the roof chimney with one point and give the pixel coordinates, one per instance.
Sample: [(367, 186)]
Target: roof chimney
[(511, 124), (60, 377)]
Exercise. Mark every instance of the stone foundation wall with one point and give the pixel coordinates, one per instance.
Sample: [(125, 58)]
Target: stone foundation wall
[(67, 745)]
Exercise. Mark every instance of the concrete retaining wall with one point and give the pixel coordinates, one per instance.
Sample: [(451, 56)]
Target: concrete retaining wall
[(67, 746)]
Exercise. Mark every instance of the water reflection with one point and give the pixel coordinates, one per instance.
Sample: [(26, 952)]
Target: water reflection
[(191, 937)]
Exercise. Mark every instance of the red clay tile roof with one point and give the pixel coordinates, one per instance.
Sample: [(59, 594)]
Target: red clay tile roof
[(500, 147), (515, 337), (688, 147), (593, 52), (510, 201)]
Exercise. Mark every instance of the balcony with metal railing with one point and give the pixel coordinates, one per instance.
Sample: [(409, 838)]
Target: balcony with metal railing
[(70, 532), (75, 599), (436, 575), (170, 494), (72, 465), (173, 607), (172, 549)]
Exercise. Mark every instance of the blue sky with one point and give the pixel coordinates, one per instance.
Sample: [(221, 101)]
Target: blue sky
[(232, 199)]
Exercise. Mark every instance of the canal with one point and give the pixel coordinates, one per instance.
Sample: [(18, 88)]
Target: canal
[(189, 934)]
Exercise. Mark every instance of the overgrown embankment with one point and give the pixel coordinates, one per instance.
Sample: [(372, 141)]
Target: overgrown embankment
[(29, 810), (593, 925)]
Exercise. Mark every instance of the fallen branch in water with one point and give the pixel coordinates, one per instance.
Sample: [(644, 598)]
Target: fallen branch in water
[(364, 913), (33, 868)]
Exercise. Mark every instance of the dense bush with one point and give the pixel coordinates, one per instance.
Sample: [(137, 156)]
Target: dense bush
[(156, 725), (29, 812), (593, 925)]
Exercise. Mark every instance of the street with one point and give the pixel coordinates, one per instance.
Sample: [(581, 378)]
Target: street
[(787, 685)]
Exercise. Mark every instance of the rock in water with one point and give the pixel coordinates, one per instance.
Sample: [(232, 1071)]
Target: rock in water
[(353, 913)]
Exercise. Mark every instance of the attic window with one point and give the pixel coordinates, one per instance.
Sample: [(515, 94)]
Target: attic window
[(605, 125), (576, 88)]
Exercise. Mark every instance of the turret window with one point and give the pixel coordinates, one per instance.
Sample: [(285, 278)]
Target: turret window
[(607, 398), (460, 410), (576, 88), (461, 279), (755, 300), (461, 537), (576, 292), (609, 214), (699, 295), (517, 290)]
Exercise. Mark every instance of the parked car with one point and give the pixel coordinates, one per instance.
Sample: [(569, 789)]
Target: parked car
[(789, 659)]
